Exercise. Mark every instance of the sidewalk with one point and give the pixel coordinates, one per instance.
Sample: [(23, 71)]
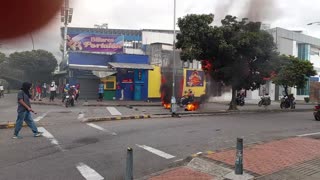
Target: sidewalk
[(288, 159)]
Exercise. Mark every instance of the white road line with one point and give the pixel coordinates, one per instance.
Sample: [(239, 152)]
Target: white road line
[(113, 111), (88, 173), (37, 119), (304, 135), (101, 129), (50, 137), (156, 151), (81, 116)]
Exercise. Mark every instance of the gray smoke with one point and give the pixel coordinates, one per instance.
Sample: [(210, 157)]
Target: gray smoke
[(255, 10), (262, 10)]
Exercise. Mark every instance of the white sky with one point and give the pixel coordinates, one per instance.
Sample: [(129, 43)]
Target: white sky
[(158, 14)]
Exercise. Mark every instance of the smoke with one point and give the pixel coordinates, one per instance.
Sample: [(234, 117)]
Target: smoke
[(255, 10), (262, 10)]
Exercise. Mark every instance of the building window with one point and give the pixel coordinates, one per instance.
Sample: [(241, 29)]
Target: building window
[(304, 91)]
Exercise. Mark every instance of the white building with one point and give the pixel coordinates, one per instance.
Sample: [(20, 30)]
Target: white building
[(296, 44)]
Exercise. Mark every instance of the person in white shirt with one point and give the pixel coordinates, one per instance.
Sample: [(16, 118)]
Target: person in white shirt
[(1, 91), (53, 89)]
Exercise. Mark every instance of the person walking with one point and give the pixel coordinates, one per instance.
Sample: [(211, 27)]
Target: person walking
[(1, 91), (100, 91), (38, 91), (44, 88), (24, 112), (53, 89)]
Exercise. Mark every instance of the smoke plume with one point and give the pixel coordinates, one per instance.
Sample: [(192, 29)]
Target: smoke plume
[(262, 10)]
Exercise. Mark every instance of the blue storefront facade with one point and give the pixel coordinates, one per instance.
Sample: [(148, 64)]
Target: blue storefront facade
[(125, 76)]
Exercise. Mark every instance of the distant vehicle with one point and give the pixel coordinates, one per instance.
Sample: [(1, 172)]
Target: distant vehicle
[(288, 102), (69, 100), (316, 112), (265, 101)]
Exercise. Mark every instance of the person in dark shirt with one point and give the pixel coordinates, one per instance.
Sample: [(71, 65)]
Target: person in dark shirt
[(24, 112)]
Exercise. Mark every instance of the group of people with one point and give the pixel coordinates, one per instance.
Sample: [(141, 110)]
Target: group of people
[(40, 91)]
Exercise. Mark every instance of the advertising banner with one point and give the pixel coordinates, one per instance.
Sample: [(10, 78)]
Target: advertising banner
[(194, 78), (95, 43)]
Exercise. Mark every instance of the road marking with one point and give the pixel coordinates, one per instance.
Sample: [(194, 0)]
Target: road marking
[(81, 116), (48, 135), (303, 135), (101, 129), (88, 173), (156, 151), (37, 119), (113, 111)]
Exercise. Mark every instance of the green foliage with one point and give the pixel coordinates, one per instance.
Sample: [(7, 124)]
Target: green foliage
[(2, 57), (294, 72), (37, 65), (241, 55)]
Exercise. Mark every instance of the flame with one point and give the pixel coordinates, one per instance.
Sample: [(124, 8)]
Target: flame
[(192, 106), (166, 105)]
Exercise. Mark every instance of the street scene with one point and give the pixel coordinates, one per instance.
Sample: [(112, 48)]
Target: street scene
[(160, 90)]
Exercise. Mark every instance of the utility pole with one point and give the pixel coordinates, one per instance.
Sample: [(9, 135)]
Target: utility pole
[(173, 98), (66, 18)]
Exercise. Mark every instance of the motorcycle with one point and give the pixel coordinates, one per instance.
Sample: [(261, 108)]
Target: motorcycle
[(265, 101), (240, 100), (186, 99), (69, 100), (316, 112), (287, 103)]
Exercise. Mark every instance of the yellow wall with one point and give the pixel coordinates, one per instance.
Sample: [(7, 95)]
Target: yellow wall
[(154, 82), (197, 91), (109, 79)]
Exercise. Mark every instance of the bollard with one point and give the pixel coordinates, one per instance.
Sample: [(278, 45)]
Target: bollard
[(239, 157), (129, 168)]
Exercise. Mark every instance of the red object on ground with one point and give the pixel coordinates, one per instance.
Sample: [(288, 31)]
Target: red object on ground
[(22, 17), (271, 157), (192, 106), (183, 173)]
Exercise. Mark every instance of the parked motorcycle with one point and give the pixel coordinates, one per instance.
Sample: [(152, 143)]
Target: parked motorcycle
[(265, 101), (316, 112), (240, 100), (69, 100), (288, 102)]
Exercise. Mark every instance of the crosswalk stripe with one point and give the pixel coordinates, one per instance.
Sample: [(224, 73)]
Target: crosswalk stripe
[(156, 151), (113, 111), (101, 129), (88, 173), (48, 135)]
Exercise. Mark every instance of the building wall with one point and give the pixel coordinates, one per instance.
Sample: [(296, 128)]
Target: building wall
[(156, 37), (154, 82)]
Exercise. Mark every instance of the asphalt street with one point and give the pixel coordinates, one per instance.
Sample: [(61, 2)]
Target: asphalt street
[(71, 149)]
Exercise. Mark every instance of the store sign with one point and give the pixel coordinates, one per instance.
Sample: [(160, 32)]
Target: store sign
[(195, 78), (95, 43)]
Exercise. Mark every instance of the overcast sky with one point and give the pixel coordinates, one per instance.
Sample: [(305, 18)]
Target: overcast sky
[(158, 14)]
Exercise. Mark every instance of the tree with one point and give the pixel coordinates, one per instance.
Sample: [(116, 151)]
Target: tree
[(2, 57), (293, 72), (239, 54), (37, 65)]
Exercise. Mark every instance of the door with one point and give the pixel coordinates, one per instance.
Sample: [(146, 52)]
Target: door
[(137, 92)]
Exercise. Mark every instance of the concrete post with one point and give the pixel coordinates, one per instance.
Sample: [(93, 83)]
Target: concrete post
[(129, 166), (239, 157)]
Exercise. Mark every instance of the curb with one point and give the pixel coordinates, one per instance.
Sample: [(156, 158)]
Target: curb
[(116, 118), (120, 105), (10, 125), (233, 112)]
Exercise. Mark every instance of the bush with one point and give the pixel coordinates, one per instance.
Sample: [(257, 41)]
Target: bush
[(307, 99)]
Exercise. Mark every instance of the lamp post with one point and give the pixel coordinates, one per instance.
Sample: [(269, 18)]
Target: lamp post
[(32, 40), (173, 98), (316, 23)]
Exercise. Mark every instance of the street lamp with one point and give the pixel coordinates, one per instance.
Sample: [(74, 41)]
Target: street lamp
[(317, 23)]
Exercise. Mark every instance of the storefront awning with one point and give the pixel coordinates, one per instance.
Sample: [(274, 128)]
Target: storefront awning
[(91, 67), (103, 74), (131, 66)]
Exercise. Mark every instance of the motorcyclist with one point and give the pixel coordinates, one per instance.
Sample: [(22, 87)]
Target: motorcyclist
[(65, 92), (291, 100)]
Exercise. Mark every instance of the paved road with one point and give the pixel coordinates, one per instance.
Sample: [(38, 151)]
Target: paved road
[(71, 147)]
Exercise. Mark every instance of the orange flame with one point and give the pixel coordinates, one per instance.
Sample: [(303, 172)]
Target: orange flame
[(192, 106)]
